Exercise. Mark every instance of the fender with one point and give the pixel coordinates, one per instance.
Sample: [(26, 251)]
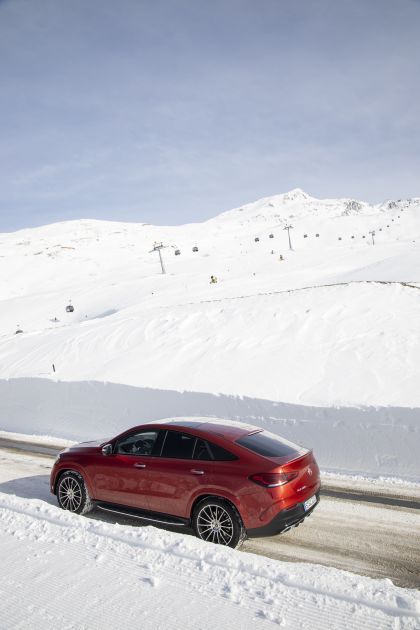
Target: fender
[(214, 491), (62, 467)]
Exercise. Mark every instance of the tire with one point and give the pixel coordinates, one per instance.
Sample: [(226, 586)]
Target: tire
[(218, 521), (72, 493)]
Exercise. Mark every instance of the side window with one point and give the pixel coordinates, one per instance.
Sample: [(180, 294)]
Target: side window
[(220, 454), (141, 443), (202, 451), (178, 445)]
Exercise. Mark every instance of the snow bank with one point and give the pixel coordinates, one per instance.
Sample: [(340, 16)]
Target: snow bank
[(62, 570), (370, 440)]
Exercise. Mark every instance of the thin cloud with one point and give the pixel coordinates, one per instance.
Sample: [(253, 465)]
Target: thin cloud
[(179, 110)]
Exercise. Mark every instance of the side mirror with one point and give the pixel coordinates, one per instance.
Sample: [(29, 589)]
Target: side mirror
[(107, 449)]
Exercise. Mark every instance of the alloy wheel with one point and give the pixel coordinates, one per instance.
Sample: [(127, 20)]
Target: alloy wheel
[(70, 494), (214, 524)]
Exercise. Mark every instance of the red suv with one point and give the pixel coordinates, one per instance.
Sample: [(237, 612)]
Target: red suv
[(225, 480)]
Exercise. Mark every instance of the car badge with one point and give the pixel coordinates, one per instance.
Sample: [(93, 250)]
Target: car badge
[(309, 470)]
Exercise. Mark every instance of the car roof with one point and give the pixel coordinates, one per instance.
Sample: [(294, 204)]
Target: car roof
[(229, 429)]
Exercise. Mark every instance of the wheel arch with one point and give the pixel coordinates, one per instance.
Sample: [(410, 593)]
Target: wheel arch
[(72, 469), (214, 495)]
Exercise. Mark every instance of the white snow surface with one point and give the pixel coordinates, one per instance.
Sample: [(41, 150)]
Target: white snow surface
[(61, 570), (321, 347)]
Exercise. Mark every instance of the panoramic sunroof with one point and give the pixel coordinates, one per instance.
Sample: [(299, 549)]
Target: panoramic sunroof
[(186, 423)]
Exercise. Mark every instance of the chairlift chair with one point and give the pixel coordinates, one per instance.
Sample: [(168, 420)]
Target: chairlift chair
[(195, 248), (69, 308), (177, 252)]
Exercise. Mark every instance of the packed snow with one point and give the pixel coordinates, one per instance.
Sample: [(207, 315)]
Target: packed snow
[(61, 570), (320, 346)]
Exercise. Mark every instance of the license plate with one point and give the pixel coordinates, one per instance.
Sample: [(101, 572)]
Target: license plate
[(309, 503)]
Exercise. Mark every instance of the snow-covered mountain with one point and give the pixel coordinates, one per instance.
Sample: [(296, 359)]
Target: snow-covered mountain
[(297, 204), (332, 323)]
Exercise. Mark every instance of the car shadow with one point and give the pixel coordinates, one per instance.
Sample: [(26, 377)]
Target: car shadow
[(38, 487), (34, 487)]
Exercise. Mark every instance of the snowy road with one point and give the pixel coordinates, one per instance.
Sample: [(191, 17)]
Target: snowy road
[(60, 570), (371, 539)]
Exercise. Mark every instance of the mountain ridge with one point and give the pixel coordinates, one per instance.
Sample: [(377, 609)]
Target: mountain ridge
[(292, 201)]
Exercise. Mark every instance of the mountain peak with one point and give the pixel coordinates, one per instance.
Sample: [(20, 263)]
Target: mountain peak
[(295, 193)]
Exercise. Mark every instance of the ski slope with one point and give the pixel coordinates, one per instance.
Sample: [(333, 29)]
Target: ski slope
[(321, 346)]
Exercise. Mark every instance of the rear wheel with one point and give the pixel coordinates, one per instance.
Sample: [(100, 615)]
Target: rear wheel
[(217, 521), (72, 493)]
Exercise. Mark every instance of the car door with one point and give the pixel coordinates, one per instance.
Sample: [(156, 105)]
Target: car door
[(175, 476), (122, 477)]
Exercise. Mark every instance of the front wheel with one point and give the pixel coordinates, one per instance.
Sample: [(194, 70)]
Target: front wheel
[(72, 494), (217, 521)]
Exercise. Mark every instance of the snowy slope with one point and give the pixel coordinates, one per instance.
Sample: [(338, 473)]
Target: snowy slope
[(282, 342)]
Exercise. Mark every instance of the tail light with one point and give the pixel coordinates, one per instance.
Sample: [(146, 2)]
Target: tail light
[(273, 480)]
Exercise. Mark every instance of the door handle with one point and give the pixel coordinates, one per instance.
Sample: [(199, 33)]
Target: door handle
[(197, 472), (139, 465)]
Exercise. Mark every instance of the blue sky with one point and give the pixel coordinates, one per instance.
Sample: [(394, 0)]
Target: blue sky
[(171, 111)]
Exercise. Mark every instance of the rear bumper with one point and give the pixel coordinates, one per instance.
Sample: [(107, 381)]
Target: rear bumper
[(285, 520)]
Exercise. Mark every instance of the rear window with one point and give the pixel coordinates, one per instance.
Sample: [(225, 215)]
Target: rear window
[(209, 451), (269, 445), (202, 451), (220, 454), (178, 445)]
